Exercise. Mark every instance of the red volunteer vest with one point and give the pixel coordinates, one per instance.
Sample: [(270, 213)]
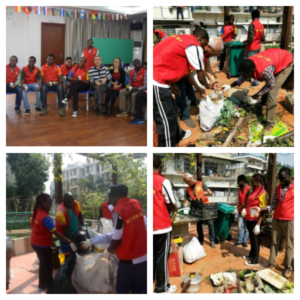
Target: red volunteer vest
[(278, 58), (258, 34), (198, 191), (161, 34), (253, 201), (12, 76), (50, 74), (63, 209), (65, 70), (30, 77), (228, 33), (139, 78), (161, 215), (285, 210), (242, 195), (90, 57), (106, 213), (40, 235), (170, 63), (134, 240), (79, 72)]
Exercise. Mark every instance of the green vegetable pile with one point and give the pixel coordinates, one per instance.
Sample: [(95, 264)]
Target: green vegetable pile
[(288, 142), (229, 109)]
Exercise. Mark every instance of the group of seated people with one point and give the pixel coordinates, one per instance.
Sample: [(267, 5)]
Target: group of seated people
[(68, 80)]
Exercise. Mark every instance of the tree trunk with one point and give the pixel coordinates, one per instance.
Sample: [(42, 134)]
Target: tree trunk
[(58, 183)]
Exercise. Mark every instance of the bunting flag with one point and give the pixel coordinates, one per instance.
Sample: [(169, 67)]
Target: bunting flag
[(93, 16), (113, 16), (37, 10), (75, 14), (8, 8), (103, 16), (68, 13), (108, 16), (121, 17), (88, 15), (99, 16), (27, 9), (82, 14), (61, 12), (46, 11), (54, 11), (117, 17), (18, 9)]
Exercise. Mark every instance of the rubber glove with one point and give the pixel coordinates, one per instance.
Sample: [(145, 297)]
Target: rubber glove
[(235, 212), (251, 101), (256, 230), (106, 254), (86, 244), (83, 228), (73, 247), (226, 87), (244, 212)]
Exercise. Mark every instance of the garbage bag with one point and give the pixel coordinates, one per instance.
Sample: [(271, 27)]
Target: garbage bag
[(95, 274), (107, 225), (193, 251), (77, 238), (62, 283)]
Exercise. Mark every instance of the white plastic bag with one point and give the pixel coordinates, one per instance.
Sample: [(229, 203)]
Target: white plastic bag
[(193, 251), (209, 112), (95, 274), (107, 225)]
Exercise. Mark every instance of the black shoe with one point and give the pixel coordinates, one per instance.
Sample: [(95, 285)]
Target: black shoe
[(253, 84), (237, 244), (38, 109), (245, 245), (103, 109), (7, 286), (201, 242), (109, 112), (247, 257), (96, 111), (27, 111)]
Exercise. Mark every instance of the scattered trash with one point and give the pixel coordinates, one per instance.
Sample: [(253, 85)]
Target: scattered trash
[(278, 130), (255, 133), (273, 278)]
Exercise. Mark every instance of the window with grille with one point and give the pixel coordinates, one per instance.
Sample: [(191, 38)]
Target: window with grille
[(210, 168)]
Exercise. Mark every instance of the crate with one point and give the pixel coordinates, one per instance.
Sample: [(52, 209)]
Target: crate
[(205, 212)]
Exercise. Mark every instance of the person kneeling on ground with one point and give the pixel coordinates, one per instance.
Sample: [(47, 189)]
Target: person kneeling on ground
[(31, 80), (137, 82), (79, 83), (140, 98), (13, 77), (65, 70), (51, 78)]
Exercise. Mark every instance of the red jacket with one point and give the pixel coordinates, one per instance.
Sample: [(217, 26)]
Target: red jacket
[(279, 58), (134, 240), (242, 195), (198, 191), (285, 210), (170, 63), (161, 215), (40, 235), (30, 77), (12, 76), (106, 213), (90, 57), (253, 201), (228, 33), (63, 209), (258, 34), (139, 78)]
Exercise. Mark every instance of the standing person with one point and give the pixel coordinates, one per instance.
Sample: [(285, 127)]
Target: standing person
[(10, 250), (255, 36), (163, 203), (229, 32), (180, 12), (117, 84), (42, 229), (98, 76), (65, 70), (276, 68), (283, 220), (198, 191), (79, 79), (90, 53), (68, 220), (51, 78), (243, 192), (160, 35), (258, 198), (105, 210), (31, 80), (13, 78), (137, 82), (174, 58)]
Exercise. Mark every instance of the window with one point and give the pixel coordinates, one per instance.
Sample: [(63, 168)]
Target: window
[(92, 168), (87, 170), (74, 172), (210, 168), (187, 165), (83, 172)]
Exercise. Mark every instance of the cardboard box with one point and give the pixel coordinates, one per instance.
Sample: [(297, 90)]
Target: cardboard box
[(175, 263)]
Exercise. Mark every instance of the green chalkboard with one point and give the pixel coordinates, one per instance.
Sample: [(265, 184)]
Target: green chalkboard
[(111, 48)]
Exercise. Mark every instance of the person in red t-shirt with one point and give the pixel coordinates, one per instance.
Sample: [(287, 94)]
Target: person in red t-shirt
[(117, 84), (79, 79), (90, 53), (160, 35), (66, 68)]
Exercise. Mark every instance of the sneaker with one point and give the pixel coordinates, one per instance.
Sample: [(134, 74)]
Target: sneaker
[(43, 112), (137, 121), (97, 111), (75, 114), (218, 70), (250, 263), (187, 134), (171, 289), (287, 273), (122, 114), (65, 101), (237, 244), (37, 109), (189, 123), (27, 111), (61, 112), (108, 113), (247, 257), (245, 245), (254, 84), (212, 244), (18, 112)]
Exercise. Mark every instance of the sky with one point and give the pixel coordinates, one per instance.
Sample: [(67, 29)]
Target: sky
[(285, 158)]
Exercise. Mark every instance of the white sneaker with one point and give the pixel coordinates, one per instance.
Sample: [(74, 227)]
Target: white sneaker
[(75, 114), (187, 134), (218, 70), (65, 101), (172, 289)]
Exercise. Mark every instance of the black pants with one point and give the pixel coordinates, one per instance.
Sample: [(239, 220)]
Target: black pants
[(222, 59), (161, 252), (132, 278), (76, 87), (165, 116), (140, 98), (111, 95), (211, 230), (179, 12), (46, 268), (255, 241)]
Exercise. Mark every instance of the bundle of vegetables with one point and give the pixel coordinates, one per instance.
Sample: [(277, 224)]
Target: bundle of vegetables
[(228, 112)]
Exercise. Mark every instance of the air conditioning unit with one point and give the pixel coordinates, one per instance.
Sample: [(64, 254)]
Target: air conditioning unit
[(138, 50), (183, 31)]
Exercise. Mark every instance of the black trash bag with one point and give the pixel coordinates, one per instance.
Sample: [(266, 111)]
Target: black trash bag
[(77, 238), (62, 283)]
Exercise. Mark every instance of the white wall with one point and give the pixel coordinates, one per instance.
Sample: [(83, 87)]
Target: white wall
[(23, 36)]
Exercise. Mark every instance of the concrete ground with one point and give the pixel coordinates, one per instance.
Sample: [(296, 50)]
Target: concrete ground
[(221, 259)]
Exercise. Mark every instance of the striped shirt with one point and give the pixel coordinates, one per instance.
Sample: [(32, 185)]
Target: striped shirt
[(282, 195), (144, 87), (98, 74)]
